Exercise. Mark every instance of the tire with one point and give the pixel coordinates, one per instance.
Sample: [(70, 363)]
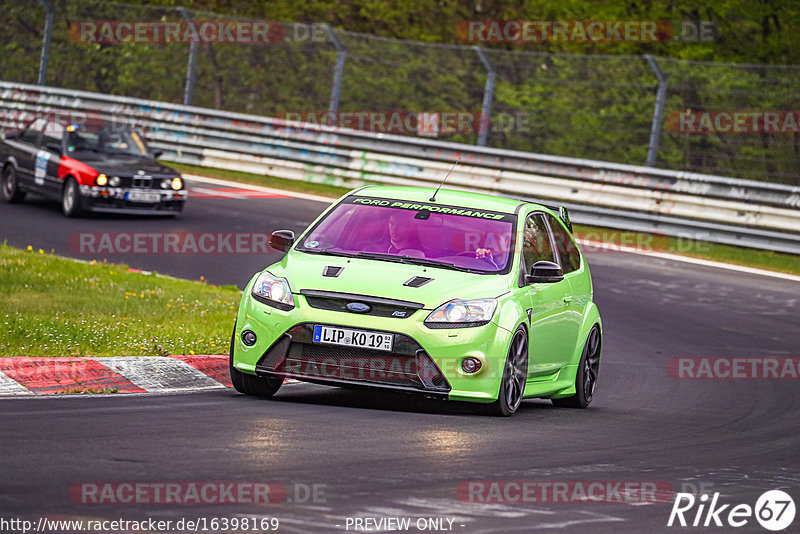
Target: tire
[(586, 377), (248, 384), (10, 186), (71, 199), (515, 373)]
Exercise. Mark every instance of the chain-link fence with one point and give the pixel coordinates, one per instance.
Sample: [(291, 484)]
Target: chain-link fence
[(587, 106)]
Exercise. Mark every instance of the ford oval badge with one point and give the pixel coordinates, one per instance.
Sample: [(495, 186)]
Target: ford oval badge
[(358, 307)]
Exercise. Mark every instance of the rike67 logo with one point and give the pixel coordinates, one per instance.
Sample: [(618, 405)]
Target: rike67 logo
[(774, 510)]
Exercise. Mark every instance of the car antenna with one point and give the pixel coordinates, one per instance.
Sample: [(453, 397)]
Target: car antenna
[(458, 158)]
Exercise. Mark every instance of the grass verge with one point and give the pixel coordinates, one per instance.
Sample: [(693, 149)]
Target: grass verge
[(762, 259), (54, 306)]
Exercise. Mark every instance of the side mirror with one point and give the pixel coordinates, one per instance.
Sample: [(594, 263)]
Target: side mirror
[(544, 272), (281, 240), (53, 147), (157, 153)]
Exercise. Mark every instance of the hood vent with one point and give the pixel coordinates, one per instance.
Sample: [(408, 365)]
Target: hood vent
[(417, 281), (331, 271)]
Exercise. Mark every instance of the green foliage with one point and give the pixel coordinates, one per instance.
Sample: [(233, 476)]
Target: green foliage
[(583, 99)]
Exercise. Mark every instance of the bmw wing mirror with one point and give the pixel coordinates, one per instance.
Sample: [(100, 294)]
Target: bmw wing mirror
[(544, 272), (281, 240)]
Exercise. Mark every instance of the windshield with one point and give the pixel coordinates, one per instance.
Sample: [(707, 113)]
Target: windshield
[(107, 140), (425, 234)]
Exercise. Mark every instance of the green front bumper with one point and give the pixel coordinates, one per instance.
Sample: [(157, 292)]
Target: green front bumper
[(447, 347)]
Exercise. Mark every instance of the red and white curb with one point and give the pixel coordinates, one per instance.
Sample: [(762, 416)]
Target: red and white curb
[(47, 376)]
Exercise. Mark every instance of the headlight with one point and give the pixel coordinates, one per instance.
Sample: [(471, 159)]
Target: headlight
[(101, 180), (177, 183), (114, 181), (273, 291), (463, 311)]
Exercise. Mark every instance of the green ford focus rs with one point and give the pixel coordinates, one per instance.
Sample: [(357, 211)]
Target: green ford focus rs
[(457, 295)]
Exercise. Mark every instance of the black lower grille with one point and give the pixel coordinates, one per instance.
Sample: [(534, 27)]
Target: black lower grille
[(406, 367)]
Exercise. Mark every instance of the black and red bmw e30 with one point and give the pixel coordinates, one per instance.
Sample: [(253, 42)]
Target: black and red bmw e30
[(105, 168)]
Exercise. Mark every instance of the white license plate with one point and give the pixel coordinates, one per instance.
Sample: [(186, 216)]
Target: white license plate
[(140, 196), (352, 338)]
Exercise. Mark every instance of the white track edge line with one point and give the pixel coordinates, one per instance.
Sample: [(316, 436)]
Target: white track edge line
[(688, 259), (253, 187)]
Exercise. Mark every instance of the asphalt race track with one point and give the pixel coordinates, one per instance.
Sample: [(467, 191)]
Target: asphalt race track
[(397, 456)]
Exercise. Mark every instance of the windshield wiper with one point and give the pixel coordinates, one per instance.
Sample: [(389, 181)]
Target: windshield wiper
[(379, 256), (413, 260), (433, 263), (326, 252)]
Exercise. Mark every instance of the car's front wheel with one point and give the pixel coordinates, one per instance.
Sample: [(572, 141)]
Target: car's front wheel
[(71, 199), (250, 384), (515, 374), (586, 377), (10, 188)]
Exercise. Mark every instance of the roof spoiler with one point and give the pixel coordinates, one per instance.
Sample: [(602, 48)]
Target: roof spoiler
[(562, 211), (563, 214)]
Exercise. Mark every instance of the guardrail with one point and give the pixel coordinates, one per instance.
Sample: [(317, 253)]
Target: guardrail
[(706, 207)]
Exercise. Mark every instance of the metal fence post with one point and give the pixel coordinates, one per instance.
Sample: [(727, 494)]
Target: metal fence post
[(338, 72), (48, 34), (488, 97), (191, 67), (658, 114)]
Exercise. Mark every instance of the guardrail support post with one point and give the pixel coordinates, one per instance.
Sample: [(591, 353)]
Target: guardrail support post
[(658, 114), (191, 67), (488, 96), (48, 34), (338, 72)]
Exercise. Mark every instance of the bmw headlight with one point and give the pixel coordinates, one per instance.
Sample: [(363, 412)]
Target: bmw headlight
[(273, 291), (462, 312)]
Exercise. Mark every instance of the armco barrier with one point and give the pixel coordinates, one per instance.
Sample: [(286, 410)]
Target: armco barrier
[(713, 208)]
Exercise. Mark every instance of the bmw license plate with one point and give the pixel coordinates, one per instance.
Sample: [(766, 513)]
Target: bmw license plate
[(352, 338), (141, 196)]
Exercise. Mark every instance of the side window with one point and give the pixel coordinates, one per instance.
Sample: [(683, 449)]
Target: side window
[(567, 250), (53, 132), (31, 133), (536, 241)]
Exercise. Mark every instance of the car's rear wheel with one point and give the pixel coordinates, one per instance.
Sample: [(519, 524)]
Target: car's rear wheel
[(11, 190), (515, 374), (250, 384), (71, 199), (586, 377)]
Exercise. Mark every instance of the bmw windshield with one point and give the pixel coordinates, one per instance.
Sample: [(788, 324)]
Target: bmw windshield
[(106, 140), (427, 234)]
